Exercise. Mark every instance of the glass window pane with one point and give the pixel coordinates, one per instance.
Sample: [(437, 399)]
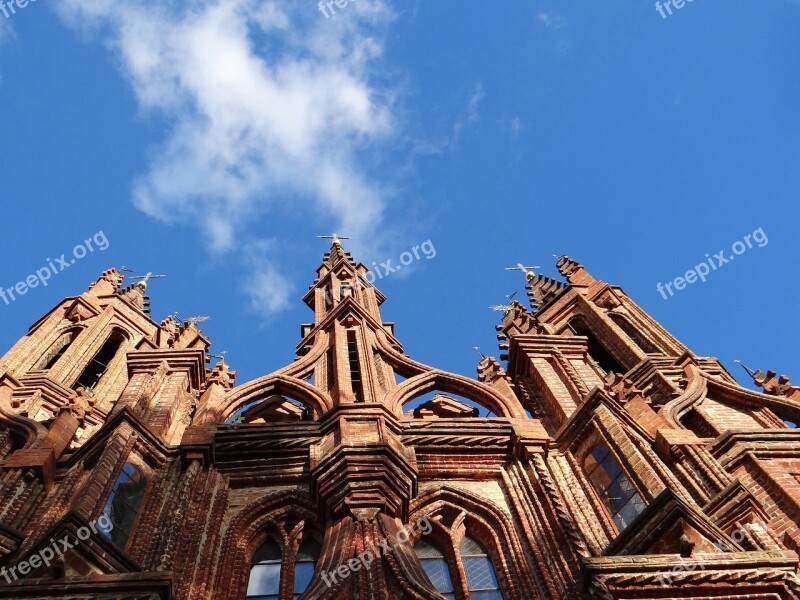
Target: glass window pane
[(303, 572), (123, 504), (470, 547), (426, 550), (264, 579), (305, 565), (487, 595), (611, 467), (481, 578), (268, 552), (620, 492), (630, 511), (613, 486), (435, 566), (480, 574), (439, 574)]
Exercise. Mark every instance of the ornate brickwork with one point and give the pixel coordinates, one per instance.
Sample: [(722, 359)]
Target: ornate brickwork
[(603, 460)]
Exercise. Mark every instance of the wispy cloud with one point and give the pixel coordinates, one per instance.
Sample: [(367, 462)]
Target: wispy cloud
[(6, 31), (472, 113), (266, 102), (552, 20), (267, 288), (474, 102)]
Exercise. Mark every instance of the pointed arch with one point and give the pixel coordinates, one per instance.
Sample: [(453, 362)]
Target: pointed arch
[(287, 517), (637, 336), (480, 518), (261, 388), (57, 348), (31, 432), (435, 380), (95, 370)]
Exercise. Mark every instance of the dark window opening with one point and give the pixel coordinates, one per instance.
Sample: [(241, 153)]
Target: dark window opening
[(123, 504), (637, 337), (599, 355), (57, 350), (98, 366), (265, 573), (355, 369), (616, 491), (329, 368), (304, 565)]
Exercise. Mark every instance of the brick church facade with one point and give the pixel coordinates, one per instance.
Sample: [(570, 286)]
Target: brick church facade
[(605, 460)]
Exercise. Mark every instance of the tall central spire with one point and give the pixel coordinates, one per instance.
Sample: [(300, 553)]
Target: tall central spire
[(339, 277)]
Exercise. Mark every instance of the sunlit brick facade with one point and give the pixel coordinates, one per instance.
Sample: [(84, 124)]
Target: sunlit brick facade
[(605, 460)]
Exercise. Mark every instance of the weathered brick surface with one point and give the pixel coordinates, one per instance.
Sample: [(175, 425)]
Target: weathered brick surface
[(331, 454)]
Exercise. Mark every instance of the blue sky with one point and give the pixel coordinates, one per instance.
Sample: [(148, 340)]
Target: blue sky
[(212, 141)]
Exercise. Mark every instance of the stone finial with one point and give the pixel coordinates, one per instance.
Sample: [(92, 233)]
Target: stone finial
[(169, 327), (542, 289), (222, 375), (489, 370), (520, 317), (772, 385), (574, 271), (108, 283)]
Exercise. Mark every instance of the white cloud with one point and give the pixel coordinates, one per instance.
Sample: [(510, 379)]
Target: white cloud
[(6, 31), (269, 291), (266, 103), (471, 116), (474, 101), (552, 20)]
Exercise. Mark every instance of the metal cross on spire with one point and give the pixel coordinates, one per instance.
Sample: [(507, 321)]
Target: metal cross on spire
[(504, 307), (192, 320), (143, 279), (527, 271), (335, 237), (220, 356)]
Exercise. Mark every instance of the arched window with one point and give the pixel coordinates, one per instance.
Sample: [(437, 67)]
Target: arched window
[(57, 350), (435, 566), (304, 565), (481, 578), (98, 366), (601, 357), (123, 504), (265, 570), (612, 485), (637, 337), (265, 573)]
